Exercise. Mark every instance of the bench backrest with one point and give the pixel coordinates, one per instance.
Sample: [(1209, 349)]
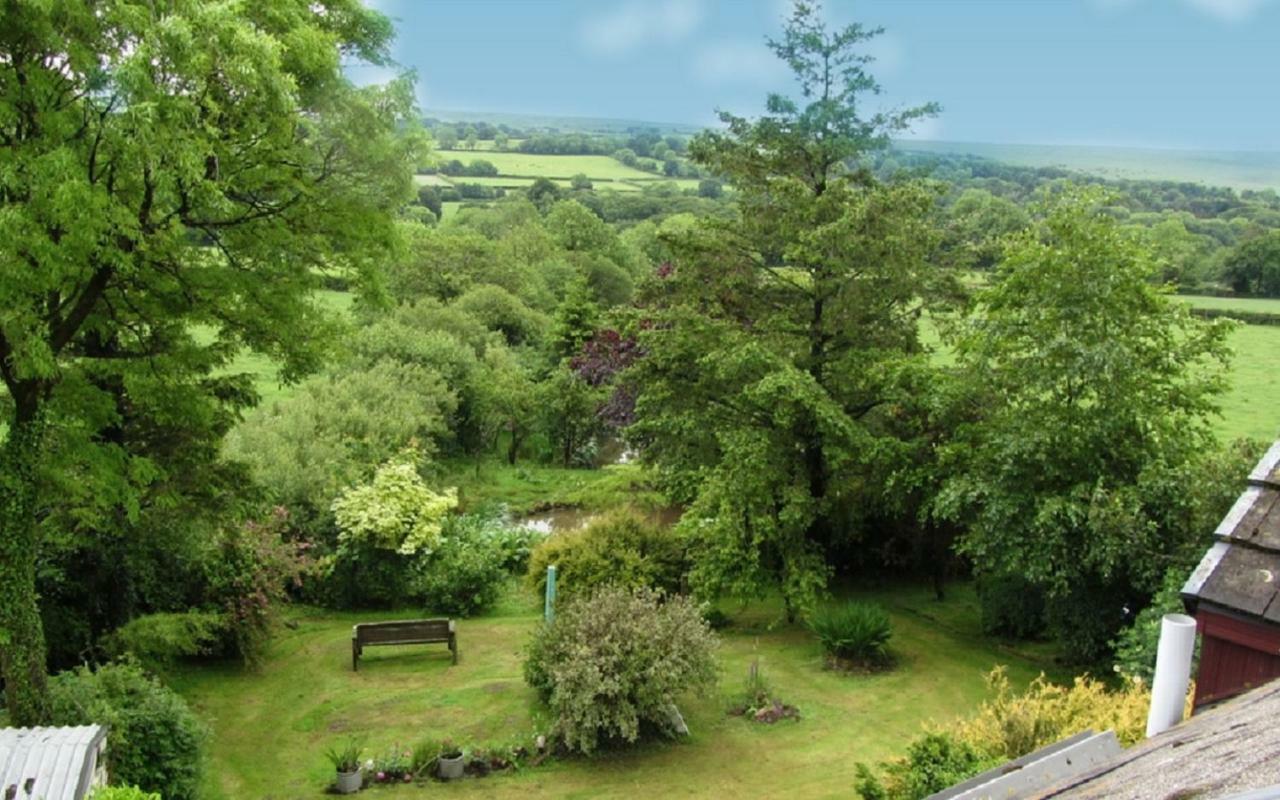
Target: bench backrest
[(403, 631)]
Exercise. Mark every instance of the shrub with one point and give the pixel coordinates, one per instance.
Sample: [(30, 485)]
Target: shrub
[(1011, 725), (249, 575), (153, 741), (934, 762), (156, 640), (123, 793), (621, 548), (465, 573), (1012, 606), (855, 632), (1006, 727), (612, 664)]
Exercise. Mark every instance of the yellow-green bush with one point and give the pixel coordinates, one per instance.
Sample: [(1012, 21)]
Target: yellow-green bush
[(1007, 726), (621, 548), (1010, 725)]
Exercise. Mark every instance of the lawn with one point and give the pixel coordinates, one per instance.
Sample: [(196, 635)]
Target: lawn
[(270, 727), (1249, 407), (529, 165)]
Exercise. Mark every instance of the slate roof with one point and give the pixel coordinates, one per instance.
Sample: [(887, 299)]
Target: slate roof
[(49, 763), (1241, 571)]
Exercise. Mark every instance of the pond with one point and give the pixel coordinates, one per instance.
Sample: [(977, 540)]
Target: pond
[(561, 520)]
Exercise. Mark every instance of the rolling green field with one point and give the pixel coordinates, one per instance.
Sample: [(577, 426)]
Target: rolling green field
[(528, 165), (270, 727), (1265, 305), (1251, 406), (1240, 170)]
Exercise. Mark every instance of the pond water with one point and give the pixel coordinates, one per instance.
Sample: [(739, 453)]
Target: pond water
[(561, 520)]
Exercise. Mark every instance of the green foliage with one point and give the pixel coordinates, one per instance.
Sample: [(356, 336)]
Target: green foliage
[(346, 757), (620, 548), (775, 338), (127, 229), (395, 511), (465, 572), (154, 741), (1012, 606), (336, 428), (1096, 389), (1135, 647), (123, 793), (614, 662), (853, 632), (934, 762), (156, 640), (1253, 267), (249, 573)]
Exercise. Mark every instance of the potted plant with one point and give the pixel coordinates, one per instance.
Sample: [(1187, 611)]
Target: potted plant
[(451, 762), (346, 762)]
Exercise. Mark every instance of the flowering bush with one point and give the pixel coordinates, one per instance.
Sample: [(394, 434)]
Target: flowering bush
[(613, 663), (251, 572)]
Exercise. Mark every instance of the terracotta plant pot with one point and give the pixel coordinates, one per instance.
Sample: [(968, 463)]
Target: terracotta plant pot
[(450, 768), (349, 782)]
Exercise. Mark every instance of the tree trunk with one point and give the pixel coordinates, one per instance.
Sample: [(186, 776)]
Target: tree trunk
[(513, 448), (22, 647)]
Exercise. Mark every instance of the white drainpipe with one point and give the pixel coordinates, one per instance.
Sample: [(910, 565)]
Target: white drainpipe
[(1173, 672)]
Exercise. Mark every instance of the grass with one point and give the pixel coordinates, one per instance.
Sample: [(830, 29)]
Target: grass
[(270, 728), (1249, 408), (529, 165), (1263, 305)]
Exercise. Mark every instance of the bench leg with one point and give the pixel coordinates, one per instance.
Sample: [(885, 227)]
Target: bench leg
[(453, 647), (355, 657)]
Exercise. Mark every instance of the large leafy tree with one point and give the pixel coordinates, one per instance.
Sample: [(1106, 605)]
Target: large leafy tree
[(173, 175), (774, 342), (1096, 391)]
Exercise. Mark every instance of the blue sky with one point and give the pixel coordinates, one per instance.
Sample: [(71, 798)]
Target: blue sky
[(1150, 73)]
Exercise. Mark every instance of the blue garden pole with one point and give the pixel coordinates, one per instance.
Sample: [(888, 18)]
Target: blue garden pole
[(549, 610)]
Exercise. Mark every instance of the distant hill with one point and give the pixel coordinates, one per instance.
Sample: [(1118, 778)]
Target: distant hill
[(1239, 170), (564, 124)]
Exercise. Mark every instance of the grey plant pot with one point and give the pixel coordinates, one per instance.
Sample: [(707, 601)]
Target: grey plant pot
[(450, 769), (349, 782)]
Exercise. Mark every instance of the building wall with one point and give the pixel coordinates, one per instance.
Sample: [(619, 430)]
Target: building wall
[(1235, 655)]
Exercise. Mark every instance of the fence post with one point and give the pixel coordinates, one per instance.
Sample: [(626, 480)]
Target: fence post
[(549, 610)]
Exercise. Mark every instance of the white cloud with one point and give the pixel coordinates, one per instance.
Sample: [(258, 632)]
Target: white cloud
[(738, 61), (634, 24), (1228, 10), (1222, 10), (369, 74), (925, 129)]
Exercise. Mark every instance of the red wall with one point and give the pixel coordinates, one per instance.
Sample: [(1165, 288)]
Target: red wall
[(1235, 655)]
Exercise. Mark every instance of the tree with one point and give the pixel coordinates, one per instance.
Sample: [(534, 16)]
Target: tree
[(775, 339), (580, 183), (710, 188), (501, 141), (508, 399), (1096, 390), (1253, 267), (569, 406), (447, 136), (472, 139), (168, 168)]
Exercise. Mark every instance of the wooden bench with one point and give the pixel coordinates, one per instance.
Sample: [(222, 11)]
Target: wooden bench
[(407, 631)]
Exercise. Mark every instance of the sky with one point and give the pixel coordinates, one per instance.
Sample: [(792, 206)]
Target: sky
[(1188, 74)]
